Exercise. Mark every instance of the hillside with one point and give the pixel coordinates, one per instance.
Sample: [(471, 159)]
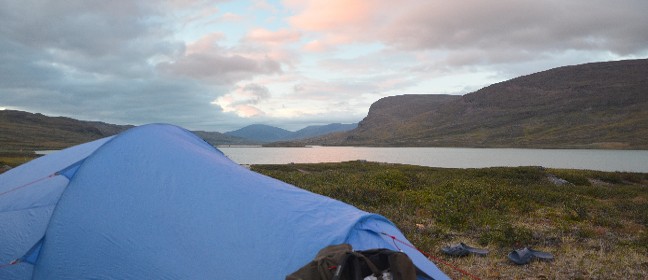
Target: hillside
[(29, 132), (318, 130), (596, 105)]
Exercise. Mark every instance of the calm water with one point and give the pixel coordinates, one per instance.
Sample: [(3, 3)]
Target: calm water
[(604, 160)]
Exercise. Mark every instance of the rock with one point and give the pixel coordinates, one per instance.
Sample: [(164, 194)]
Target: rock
[(557, 181)]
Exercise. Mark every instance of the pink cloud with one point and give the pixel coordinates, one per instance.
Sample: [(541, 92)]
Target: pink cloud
[(246, 111), (338, 22), (324, 15), (317, 46), (536, 26)]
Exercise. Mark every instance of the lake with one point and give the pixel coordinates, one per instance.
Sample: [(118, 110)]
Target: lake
[(603, 160)]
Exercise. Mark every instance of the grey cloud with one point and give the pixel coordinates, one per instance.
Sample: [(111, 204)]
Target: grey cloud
[(617, 26), (256, 93), (218, 68), (88, 27), (94, 60), (122, 102), (98, 37), (22, 67)]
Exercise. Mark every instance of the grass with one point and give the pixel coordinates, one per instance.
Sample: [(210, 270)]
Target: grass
[(15, 158), (596, 226)]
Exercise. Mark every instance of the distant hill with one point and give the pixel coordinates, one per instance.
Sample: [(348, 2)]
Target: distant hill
[(267, 134), (595, 105), (28, 131), (260, 132), (217, 138), (319, 130)]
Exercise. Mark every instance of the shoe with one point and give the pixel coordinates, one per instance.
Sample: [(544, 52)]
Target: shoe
[(526, 255), (461, 250)]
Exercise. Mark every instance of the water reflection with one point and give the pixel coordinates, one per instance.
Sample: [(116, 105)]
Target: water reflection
[(604, 160)]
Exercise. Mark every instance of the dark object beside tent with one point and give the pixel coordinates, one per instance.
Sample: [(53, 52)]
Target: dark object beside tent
[(461, 249), (526, 255)]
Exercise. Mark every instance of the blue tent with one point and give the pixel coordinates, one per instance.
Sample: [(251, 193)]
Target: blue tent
[(157, 202)]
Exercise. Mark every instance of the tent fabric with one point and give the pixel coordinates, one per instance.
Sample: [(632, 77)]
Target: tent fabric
[(157, 202), (25, 212)]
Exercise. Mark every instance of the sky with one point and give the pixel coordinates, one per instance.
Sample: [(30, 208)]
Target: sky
[(221, 65)]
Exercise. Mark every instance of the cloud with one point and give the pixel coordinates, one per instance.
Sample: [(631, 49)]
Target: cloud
[(205, 44), (118, 101), (441, 46), (521, 26), (96, 60), (91, 37), (338, 22), (205, 60), (348, 97), (331, 14), (281, 36), (122, 61), (219, 69), (39, 30), (212, 65), (242, 99), (317, 46), (528, 25)]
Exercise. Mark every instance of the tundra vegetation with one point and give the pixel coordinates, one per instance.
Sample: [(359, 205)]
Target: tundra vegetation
[(594, 223)]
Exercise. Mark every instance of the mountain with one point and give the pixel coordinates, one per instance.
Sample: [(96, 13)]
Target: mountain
[(595, 105), (266, 134), (319, 130), (261, 132), (28, 131)]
